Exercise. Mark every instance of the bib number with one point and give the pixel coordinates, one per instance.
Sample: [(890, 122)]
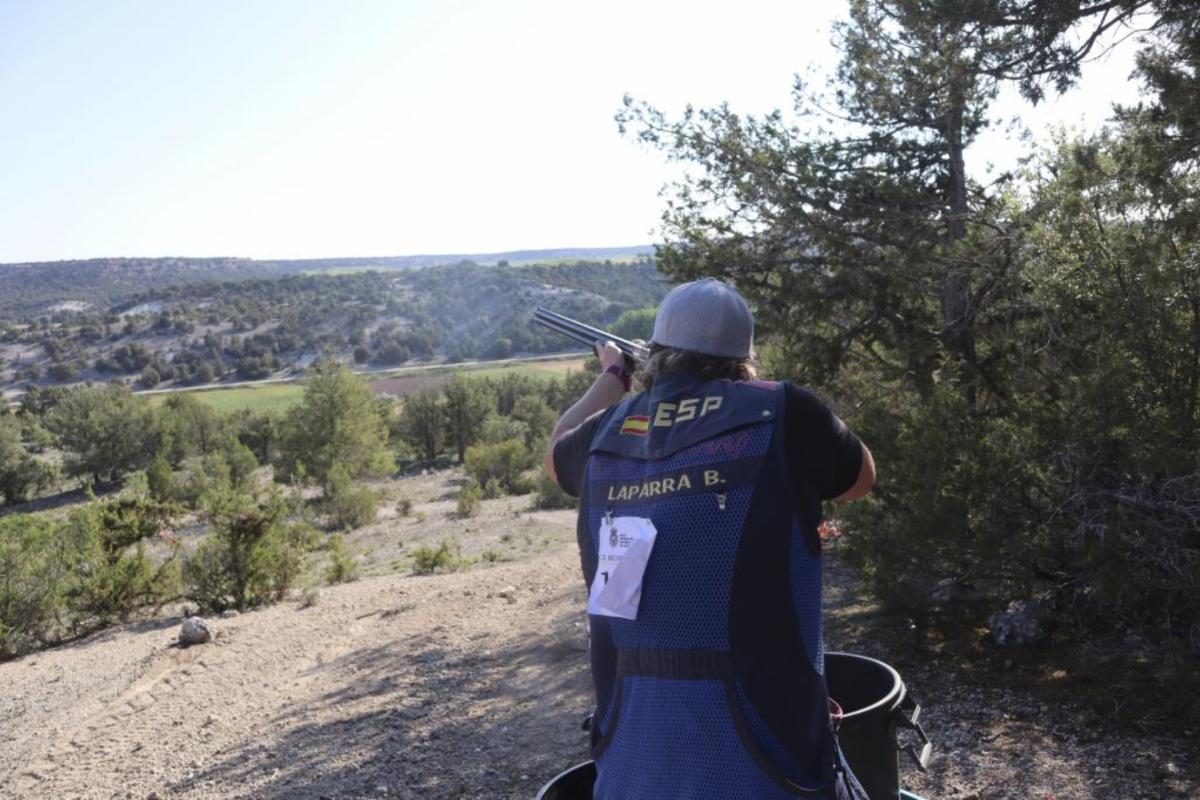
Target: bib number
[(625, 547)]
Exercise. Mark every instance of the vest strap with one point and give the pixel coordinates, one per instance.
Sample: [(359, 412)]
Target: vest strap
[(687, 665)]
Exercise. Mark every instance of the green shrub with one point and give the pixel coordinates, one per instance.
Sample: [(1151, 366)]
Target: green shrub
[(470, 498), (284, 561), (103, 429), (348, 505), (550, 494), (342, 566), (160, 479), (538, 419), (404, 506), (338, 424), (36, 575), (116, 575), (241, 461), (249, 558), (503, 462), (427, 560), (21, 474), (201, 476), (498, 429)]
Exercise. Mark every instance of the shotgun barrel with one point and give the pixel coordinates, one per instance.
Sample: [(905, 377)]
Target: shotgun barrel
[(587, 335)]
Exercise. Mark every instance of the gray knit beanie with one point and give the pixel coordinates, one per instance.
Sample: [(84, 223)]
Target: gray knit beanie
[(705, 316)]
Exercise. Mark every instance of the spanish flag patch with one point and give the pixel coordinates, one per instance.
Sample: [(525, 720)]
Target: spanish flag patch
[(636, 426)]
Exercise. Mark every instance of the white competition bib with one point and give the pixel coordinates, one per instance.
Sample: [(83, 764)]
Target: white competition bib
[(625, 546)]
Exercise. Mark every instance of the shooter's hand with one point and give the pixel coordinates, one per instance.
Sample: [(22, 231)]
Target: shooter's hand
[(610, 354)]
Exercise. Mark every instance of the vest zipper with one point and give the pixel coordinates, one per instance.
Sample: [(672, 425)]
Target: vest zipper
[(721, 501)]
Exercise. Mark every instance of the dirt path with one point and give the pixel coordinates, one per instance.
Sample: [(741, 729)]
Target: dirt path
[(468, 685)]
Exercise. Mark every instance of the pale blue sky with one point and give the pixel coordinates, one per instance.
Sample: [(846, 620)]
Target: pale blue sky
[(298, 128)]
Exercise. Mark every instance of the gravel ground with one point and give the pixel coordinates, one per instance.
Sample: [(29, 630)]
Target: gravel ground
[(466, 685)]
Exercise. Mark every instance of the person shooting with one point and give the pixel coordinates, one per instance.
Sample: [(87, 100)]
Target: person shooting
[(700, 501)]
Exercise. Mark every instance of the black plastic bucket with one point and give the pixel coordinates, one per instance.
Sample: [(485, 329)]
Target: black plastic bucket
[(874, 705)]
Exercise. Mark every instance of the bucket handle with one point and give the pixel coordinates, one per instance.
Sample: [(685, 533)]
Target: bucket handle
[(910, 722)]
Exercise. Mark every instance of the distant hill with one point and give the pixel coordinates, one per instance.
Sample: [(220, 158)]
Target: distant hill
[(31, 289), (195, 323), (512, 257)]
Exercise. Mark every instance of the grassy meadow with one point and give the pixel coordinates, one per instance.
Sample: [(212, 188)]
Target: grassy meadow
[(279, 396), (271, 397)]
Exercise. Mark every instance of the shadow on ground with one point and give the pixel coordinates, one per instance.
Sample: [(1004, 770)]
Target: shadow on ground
[(411, 718)]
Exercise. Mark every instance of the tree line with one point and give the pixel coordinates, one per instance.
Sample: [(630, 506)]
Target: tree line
[(120, 555), (1023, 354)]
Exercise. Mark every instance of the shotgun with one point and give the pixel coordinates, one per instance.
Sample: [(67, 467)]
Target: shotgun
[(635, 352)]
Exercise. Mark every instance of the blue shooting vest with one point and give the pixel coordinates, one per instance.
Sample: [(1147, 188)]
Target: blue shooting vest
[(717, 689)]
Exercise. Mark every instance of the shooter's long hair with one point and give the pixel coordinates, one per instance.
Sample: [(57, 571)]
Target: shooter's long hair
[(664, 360)]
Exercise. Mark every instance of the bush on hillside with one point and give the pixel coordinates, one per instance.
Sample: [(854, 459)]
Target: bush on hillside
[(538, 418), (498, 429), (116, 574), (469, 499), (446, 557), (342, 567), (37, 573), (104, 429), (241, 460), (503, 462), (404, 506), (183, 427), (550, 495), (21, 474), (349, 505), (160, 479), (250, 558)]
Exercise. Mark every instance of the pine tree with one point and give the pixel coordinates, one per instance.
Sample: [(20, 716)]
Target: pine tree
[(337, 423)]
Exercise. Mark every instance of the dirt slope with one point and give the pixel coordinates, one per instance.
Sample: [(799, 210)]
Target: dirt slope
[(409, 687), (468, 685)]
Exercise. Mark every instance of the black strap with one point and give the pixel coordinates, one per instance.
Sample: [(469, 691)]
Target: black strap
[(687, 665)]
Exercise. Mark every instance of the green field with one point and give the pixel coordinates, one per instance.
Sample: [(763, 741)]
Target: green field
[(538, 369), (280, 396), (272, 397)]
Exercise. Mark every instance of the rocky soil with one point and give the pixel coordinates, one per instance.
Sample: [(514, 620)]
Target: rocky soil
[(465, 685)]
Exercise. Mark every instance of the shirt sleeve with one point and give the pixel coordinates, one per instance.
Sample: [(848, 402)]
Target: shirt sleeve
[(571, 452), (821, 449)]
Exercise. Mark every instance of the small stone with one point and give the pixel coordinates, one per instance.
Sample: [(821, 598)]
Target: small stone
[(229, 613), (152, 796), (211, 719), (381, 789), (509, 593), (195, 630)]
